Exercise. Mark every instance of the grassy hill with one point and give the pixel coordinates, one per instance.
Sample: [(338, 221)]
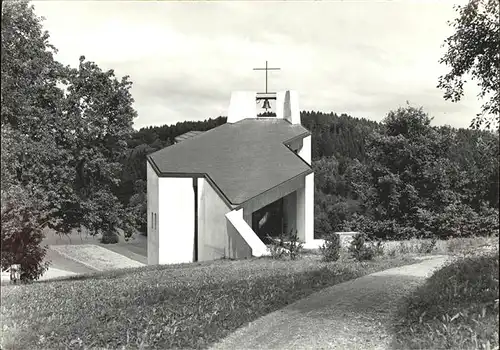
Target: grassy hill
[(176, 306)]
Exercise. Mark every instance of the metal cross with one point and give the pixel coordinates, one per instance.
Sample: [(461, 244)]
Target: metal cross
[(266, 69)]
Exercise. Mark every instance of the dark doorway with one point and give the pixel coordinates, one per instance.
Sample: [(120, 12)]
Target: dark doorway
[(268, 221)]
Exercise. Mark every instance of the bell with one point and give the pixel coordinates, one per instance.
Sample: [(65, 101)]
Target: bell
[(266, 104)]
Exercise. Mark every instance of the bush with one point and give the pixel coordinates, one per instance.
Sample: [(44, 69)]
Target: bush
[(467, 246), (110, 238), (487, 223), (294, 246), (361, 249), (277, 247), (427, 246), (21, 241), (460, 220), (331, 248), (380, 229), (455, 220), (378, 247), (285, 246), (405, 248), (340, 212)]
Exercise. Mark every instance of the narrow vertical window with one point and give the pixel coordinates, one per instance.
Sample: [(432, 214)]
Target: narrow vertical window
[(152, 222), (156, 223)]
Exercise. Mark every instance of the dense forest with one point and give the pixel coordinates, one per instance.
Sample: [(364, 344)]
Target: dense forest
[(398, 177)]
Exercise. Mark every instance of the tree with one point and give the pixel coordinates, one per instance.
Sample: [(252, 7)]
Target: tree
[(406, 165), (474, 49), (23, 217), (414, 187), (29, 103), (64, 133), (98, 114)]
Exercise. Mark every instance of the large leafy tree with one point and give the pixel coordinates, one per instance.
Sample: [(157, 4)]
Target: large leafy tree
[(408, 168), (98, 114), (64, 133), (474, 50), (30, 104), (414, 187)]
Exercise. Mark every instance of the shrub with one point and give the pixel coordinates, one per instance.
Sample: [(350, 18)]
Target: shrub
[(340, 212), (471, 245), (277, 247), (331, 248), (294, 246), (427, 246), (21, 240), (460, 220), (378, 247), (408, 232), (422, 219), (380, 229), (392, 253), (360, 249), (455, 220), (110, 238), (286, 246), (487, 223), (405, 248)]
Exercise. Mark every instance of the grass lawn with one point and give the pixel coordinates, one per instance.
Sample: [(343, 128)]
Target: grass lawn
[(183, 306), (457, 308)]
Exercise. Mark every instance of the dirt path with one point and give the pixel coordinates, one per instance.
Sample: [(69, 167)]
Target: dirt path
[(352, 315)]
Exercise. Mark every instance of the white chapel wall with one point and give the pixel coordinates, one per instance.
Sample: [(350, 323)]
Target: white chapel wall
[(242, 106), (152, 209), (305, 210), (176, 220), (212, 225), (305, 152), (309, 232)]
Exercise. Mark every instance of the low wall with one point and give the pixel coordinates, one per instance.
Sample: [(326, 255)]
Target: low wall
[(345, 240)]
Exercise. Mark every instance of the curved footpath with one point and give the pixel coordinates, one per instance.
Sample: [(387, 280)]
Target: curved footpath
[(352, 315)]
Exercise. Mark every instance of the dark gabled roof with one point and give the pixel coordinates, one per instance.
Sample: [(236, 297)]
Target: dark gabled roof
[(242, 159), (187, 135)]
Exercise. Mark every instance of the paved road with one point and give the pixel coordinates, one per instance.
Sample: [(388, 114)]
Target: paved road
[(352, 315)]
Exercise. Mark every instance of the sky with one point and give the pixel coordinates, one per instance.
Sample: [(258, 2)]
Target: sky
[(363, 58)]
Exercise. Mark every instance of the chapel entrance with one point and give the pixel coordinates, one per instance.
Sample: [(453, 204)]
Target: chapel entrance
[(268, 221)]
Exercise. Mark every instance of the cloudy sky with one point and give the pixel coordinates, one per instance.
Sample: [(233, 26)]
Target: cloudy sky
[(362, 58)]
